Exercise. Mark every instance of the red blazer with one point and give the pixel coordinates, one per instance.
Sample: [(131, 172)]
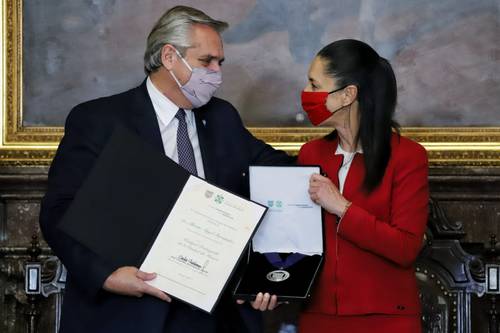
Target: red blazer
[(368, 266)]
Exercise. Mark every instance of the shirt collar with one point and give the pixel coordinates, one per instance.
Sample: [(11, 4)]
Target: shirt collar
[(341, 151), (165, 109)]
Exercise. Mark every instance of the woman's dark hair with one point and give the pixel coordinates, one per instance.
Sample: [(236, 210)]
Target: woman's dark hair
[(352, 62)]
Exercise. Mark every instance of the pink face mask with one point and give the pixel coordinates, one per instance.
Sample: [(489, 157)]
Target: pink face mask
[(202, 84)]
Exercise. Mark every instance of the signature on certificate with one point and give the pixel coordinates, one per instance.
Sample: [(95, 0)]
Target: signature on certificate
[(192, 263)]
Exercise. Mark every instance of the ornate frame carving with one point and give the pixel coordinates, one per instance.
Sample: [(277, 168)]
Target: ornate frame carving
[(31, 146)]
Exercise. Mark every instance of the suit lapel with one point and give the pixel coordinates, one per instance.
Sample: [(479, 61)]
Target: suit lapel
[(146, 125), (355, 177), (144, 118), (206, 146), (335, 163)]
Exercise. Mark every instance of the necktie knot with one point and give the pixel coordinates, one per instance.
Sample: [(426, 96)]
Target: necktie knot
[(181, 114)]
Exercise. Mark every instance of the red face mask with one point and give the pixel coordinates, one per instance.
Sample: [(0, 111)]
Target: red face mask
[(314, 104)]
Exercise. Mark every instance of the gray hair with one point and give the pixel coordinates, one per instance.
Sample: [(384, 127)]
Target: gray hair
[(174, 27)]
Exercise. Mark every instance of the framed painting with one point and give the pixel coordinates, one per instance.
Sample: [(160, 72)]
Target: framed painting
[(57, 54)]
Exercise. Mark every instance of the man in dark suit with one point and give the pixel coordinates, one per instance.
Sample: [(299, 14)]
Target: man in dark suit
[(174, 111)]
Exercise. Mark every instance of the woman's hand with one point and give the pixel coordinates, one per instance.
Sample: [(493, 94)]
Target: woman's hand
[(324, 193), (263, 302)]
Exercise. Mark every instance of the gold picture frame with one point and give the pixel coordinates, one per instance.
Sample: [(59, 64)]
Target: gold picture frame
[(35, 146)]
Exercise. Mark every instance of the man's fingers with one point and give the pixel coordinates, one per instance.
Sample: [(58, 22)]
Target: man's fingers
[(135, 292), (265, 302), (240, 301), (273, 302), (150, 290), (258, 300), (145, 276)]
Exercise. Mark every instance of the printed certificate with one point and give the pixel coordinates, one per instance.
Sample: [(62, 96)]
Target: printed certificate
[(201, 242)]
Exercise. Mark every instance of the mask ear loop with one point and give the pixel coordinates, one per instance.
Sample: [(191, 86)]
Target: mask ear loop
[(185, 63), (347, 124), (175, 79), (347, 120), (183, 60)]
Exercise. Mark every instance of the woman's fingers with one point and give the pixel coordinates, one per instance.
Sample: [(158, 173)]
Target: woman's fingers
[(317, 178), (313, 190)]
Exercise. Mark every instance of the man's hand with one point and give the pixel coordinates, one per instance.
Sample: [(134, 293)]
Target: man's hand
[(263, 302), (130, 281)]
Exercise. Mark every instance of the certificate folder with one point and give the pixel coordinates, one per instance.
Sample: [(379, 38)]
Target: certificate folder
[(123, 202), (120, 212), (283, 272)]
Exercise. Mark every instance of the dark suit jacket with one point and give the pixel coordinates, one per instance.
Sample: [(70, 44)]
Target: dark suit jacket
[(227, 149)]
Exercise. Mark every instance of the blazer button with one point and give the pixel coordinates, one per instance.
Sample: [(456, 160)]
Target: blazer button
[(243, 174), (400, 307)]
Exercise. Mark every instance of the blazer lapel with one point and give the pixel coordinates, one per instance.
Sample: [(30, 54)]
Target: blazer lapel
[(144, 118), (335, 164), (206, 146), (355, 177)]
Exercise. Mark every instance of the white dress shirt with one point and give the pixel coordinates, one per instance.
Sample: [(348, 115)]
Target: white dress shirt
[(165, 113), (344, 169), (346, 164)]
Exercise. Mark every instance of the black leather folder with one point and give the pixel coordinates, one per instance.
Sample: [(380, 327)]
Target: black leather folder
[(125, 200)]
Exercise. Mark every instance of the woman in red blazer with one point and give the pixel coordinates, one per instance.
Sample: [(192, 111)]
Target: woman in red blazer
[(375, 196)]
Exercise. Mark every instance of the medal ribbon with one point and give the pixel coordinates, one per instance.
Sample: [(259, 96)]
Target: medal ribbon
[(275, 259)]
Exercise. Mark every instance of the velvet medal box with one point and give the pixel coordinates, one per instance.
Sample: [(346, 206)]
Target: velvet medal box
[(276, 264)]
